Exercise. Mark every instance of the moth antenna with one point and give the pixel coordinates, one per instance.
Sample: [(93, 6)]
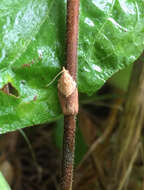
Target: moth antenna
[(63, 70)]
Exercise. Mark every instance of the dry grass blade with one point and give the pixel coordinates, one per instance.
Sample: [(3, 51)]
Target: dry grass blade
[(129, 169), (131, 124), (111, 123)]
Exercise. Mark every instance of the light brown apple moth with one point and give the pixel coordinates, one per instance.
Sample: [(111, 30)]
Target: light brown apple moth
[(66, 83)]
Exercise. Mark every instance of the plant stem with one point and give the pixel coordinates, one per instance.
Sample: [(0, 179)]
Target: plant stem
[(70, 102), (72, 36), (68, 152)]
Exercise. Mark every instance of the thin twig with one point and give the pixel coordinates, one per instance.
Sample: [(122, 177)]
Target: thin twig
[(68, 94)]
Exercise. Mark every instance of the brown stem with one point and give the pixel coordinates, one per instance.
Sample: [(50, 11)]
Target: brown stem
[(72, 36), (68, 152), (69, 103)]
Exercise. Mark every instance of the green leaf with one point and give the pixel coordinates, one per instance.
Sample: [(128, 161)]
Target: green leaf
[(3, 184), (32, 50), (58, 133), (121, 79), (80, 145)]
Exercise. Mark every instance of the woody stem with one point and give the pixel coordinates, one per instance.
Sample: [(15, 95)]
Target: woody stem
[(72, 100)]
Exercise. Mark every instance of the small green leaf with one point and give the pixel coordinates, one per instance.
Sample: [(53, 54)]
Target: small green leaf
[(32, 50), (3, 184), (122, 78), (80, 145), (58, 133)]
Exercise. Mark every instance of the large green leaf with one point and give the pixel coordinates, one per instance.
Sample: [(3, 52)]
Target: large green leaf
[(3, 183), (32, 46)]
